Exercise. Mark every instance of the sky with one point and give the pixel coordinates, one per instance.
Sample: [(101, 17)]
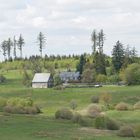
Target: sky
[(68, 24)]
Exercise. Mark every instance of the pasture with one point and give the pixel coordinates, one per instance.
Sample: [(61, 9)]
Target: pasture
[(45, 127)]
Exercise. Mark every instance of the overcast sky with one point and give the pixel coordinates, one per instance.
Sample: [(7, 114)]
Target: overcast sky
[(68, 24)]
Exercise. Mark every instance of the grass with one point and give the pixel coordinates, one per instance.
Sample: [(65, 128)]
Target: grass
[(45, 127)]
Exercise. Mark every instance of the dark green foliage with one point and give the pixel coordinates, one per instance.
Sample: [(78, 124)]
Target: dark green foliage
[(64, 113), (81, 64), (126, 131), (100, 122), (112, 124), (99, 62), (118, 56), (95, 99), (57, 80), (2, 79), (86, 122), (20, 44)]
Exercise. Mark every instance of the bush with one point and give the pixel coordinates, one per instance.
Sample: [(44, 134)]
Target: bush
[(64, 114), (103, 122), (84, 121), (137, 131), (76, 118), (2, 79), (122, 106), (137, 105), (94, 110), (100, 122), (21, 106), (112, 124), (126, 131), (101, 78), (59, 87), (95, 99), (106, 98), (73, 104)]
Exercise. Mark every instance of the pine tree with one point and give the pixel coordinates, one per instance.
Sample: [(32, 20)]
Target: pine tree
[(41, 42), (118, 56), (94, 40), (15, 44), (20, 44), (81, 64), (9, 45), (4, 48)]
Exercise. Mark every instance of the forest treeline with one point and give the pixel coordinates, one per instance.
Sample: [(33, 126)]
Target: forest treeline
[(95, 67)]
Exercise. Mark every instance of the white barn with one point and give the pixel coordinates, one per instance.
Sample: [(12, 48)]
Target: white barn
[(42, 80)]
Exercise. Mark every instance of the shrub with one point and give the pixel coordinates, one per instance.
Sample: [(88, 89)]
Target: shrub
[(2, 79), (103, 122), (76, 118), (100, 122), (137, 131), (126, 131), (112, 124), (21, 106), (122, 106), (106, 98), (94, 110), (73, 104), (137, 105), (101, 78), (64, 114), (95, 99), (2, 102), (59, 87), (84, 121)]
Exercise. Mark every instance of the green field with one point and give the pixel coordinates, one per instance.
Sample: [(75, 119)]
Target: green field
[(45, 127)]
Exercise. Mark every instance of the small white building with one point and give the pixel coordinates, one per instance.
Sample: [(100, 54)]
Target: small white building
[(42, 80)]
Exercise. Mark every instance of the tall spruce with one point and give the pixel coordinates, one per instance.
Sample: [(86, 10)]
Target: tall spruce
[(9, 47), (99, 62), (41, 42), (81, 64), (4, 48), (118, 56), (94, 41), (15, 45), (101, 38), (20, 44)]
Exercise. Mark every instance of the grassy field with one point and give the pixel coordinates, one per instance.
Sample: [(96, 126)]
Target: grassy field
[(45, 127)]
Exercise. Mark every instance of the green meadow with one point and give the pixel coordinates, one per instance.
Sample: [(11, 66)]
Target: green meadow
[(45, 127)]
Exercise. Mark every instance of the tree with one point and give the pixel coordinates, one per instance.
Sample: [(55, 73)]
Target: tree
[(9, 45), (94, 40), (99, 62), (41, 42), (81, 64), (26, 78), (101, 39), (131, 75), (57, 80), (118, 56), (88, 76), (4, 48), (20, 44), (15, 44)]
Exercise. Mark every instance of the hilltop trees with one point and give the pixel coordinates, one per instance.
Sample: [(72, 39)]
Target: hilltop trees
[(41, 40), (20, 44), (4, 48), (9, 45)]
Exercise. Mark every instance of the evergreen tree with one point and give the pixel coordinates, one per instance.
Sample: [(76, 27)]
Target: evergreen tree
[(4, 48), (81, 64), (118, 56), (94, 40), (15, 44), (9, 45), (101, 39), (20, 44), (99, 62), (41, 42)]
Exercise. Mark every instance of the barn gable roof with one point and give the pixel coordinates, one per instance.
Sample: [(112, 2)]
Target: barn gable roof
[(41, 78)]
